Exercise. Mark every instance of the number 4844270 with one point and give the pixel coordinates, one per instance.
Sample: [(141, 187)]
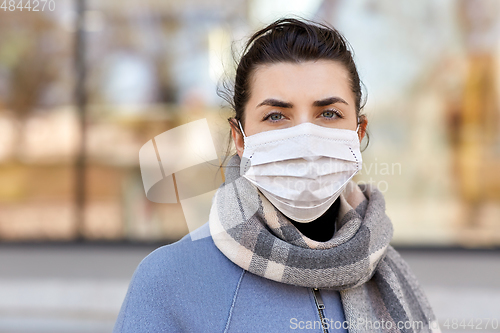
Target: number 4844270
[(472, 324), (30, 5)]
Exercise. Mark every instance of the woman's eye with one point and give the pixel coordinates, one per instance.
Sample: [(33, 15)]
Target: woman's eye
[(275, 116), (329, 114)]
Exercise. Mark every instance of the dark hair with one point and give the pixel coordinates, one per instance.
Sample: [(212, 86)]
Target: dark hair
[(291, 40)]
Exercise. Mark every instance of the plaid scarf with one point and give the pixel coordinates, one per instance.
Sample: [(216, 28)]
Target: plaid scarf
[(374, 282)]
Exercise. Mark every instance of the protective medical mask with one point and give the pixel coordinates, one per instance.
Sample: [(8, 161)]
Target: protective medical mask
[(302, 169)]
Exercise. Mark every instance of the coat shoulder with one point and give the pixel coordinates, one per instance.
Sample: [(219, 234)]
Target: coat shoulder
[(188, 276), (195, 251)]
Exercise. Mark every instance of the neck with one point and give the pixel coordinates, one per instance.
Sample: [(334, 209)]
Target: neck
[(321, 229)]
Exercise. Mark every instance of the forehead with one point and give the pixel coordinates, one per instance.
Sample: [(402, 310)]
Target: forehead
[(308, 79)]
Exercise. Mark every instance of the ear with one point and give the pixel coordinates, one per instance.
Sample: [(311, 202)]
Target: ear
[(237, 136), (363, 122)]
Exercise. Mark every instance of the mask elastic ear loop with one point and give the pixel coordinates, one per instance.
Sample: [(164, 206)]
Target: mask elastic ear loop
[(241, 128)]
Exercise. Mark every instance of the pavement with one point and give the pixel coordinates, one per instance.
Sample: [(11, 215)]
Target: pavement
[(69, 288)]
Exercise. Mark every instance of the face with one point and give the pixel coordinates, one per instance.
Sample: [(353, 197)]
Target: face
[(288, 94)]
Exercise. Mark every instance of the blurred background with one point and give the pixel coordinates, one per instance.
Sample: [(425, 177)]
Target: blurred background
[(85, 84)]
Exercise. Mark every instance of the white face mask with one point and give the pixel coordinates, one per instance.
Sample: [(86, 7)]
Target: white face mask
[(301, 169)]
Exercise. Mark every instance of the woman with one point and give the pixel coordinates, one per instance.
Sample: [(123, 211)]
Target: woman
[(291, 242)]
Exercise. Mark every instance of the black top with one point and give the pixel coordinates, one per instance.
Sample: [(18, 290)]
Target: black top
[(321, 229)]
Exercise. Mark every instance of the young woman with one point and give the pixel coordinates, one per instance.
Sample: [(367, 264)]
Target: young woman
[(292, 242)]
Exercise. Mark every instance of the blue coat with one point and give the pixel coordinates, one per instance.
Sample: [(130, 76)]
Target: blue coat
[(190, 286)]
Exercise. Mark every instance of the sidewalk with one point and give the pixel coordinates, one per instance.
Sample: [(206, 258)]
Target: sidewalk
[(64, 288)]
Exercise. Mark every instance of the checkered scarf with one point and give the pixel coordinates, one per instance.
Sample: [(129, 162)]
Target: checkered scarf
[(373, 280)]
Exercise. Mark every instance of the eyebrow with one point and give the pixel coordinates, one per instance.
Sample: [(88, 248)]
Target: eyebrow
[(329, 101), (288, 105), (275, 102)]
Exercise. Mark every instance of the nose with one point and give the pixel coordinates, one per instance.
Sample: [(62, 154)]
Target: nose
[(303, 116)]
